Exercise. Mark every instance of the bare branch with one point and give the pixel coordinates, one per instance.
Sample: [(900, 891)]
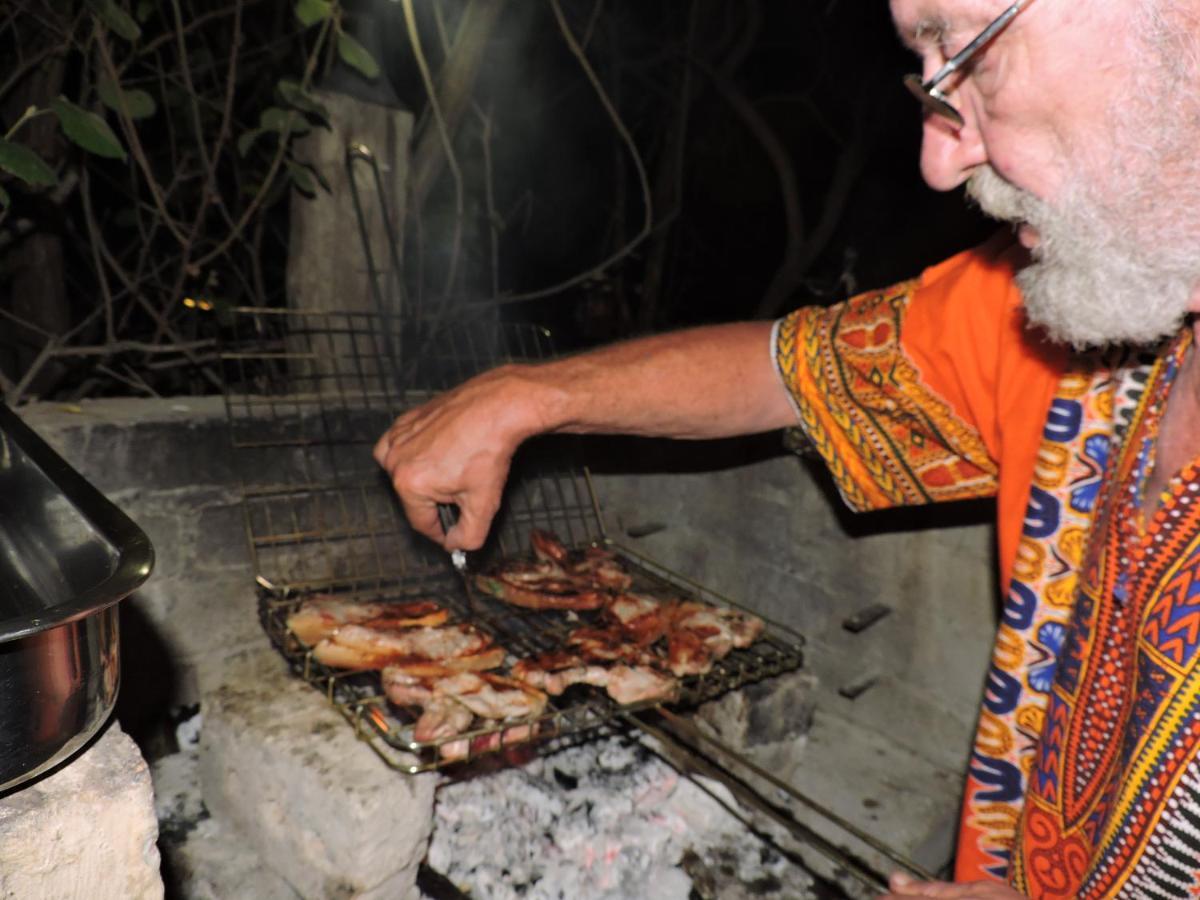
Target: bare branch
[(277, 161), (135, 145), (414, 39), (648, 220), (94, 239)]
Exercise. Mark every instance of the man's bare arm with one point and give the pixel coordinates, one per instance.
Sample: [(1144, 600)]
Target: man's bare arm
[(701, 383)]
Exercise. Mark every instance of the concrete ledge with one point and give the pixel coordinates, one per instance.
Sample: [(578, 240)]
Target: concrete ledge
[(280, 765), (85, 831)]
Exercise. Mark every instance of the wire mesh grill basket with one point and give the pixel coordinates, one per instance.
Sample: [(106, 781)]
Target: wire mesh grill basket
[(307, 394)]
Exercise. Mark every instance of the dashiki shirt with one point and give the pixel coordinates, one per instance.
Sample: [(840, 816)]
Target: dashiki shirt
[(1083, 780)]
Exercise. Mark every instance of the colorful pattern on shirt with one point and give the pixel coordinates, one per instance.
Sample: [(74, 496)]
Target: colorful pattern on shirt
[(1116, 766), (1037, 609), (887, 439), (1087, 749)]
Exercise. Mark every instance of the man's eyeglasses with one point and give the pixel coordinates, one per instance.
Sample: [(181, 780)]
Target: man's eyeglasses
[(931, 97)]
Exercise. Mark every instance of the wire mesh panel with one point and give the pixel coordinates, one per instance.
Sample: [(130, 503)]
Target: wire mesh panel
[(309, 393), (524, 634)]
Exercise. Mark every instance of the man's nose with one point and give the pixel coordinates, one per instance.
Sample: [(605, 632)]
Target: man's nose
[(950, 153)]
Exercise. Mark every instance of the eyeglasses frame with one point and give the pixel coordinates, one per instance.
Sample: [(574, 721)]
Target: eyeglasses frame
[(933, 99)]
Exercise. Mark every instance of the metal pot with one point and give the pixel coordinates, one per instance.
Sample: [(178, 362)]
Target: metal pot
[(67, 555)]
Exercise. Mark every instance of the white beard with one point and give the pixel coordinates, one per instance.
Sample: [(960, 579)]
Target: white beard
[(1092, 282)]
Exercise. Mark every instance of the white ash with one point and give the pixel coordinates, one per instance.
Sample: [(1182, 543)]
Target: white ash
[(187, 732), (599, 821)]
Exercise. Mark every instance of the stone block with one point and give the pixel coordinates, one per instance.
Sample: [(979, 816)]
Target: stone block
[(280, 765), (202, 859), (85, 831), (766, 712)]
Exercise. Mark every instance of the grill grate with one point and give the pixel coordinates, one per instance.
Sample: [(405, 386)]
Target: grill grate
[(523, 633), (307, 394)]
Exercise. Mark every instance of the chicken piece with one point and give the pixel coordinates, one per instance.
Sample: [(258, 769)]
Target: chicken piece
[(601, 568), (493, 696), (450, 704), (555, 672), (645, 619), (443, 717), (596, 568), (610, 644), (700, 634), (532, 574), (549, 594), (636, 684), (416, 667), (323, 614), (548, 548), (358, 647), (405, 689)]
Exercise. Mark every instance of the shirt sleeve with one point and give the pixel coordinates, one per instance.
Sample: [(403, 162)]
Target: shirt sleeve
[(908, 393)]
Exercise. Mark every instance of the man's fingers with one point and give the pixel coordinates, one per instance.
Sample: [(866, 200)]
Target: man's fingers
[(474, 522), (380, 450), (424, 518)]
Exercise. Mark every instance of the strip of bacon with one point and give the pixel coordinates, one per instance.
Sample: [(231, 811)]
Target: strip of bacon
[(701, 634), (323, 614), (527, 598), (491, 658), (450, 704), (359, 647), (554, 673)]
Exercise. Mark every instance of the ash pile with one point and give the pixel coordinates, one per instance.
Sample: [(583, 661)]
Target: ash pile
[(604, 820)]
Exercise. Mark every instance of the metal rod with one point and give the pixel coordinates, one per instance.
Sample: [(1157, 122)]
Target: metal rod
[(858, 869), (684, 725)]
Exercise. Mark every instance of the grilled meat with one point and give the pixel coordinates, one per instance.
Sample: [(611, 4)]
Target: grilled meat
[(556, 672), (443, 717), (323, 614), (547, 547), (700, 634), (644, 619), (544, 594), (451, 704), (360, 647), (556, 578), (415, 667)]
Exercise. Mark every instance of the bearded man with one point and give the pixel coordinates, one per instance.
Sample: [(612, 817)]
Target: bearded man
[(1055, 373)]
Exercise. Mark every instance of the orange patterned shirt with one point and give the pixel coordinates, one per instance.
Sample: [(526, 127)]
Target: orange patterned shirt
[(1084, 778)]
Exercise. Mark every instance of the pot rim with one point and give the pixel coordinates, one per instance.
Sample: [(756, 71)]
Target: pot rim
[(135, 554)]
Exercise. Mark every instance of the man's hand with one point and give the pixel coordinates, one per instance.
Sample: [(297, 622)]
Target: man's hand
[(709, 382), (902, 885), (457, 449)]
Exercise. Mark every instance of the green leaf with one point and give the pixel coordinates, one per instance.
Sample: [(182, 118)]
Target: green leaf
[(294, 95), (87, 129), (19, 160), (144, 9), (246, 141), (116, 19), (355, 54), (302, 178), (285, 122), (310, 12), (138, 103), (4, 199), (314, 173)]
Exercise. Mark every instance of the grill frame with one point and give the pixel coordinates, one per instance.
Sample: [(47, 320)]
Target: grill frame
[(359, 699), (306, 395)]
